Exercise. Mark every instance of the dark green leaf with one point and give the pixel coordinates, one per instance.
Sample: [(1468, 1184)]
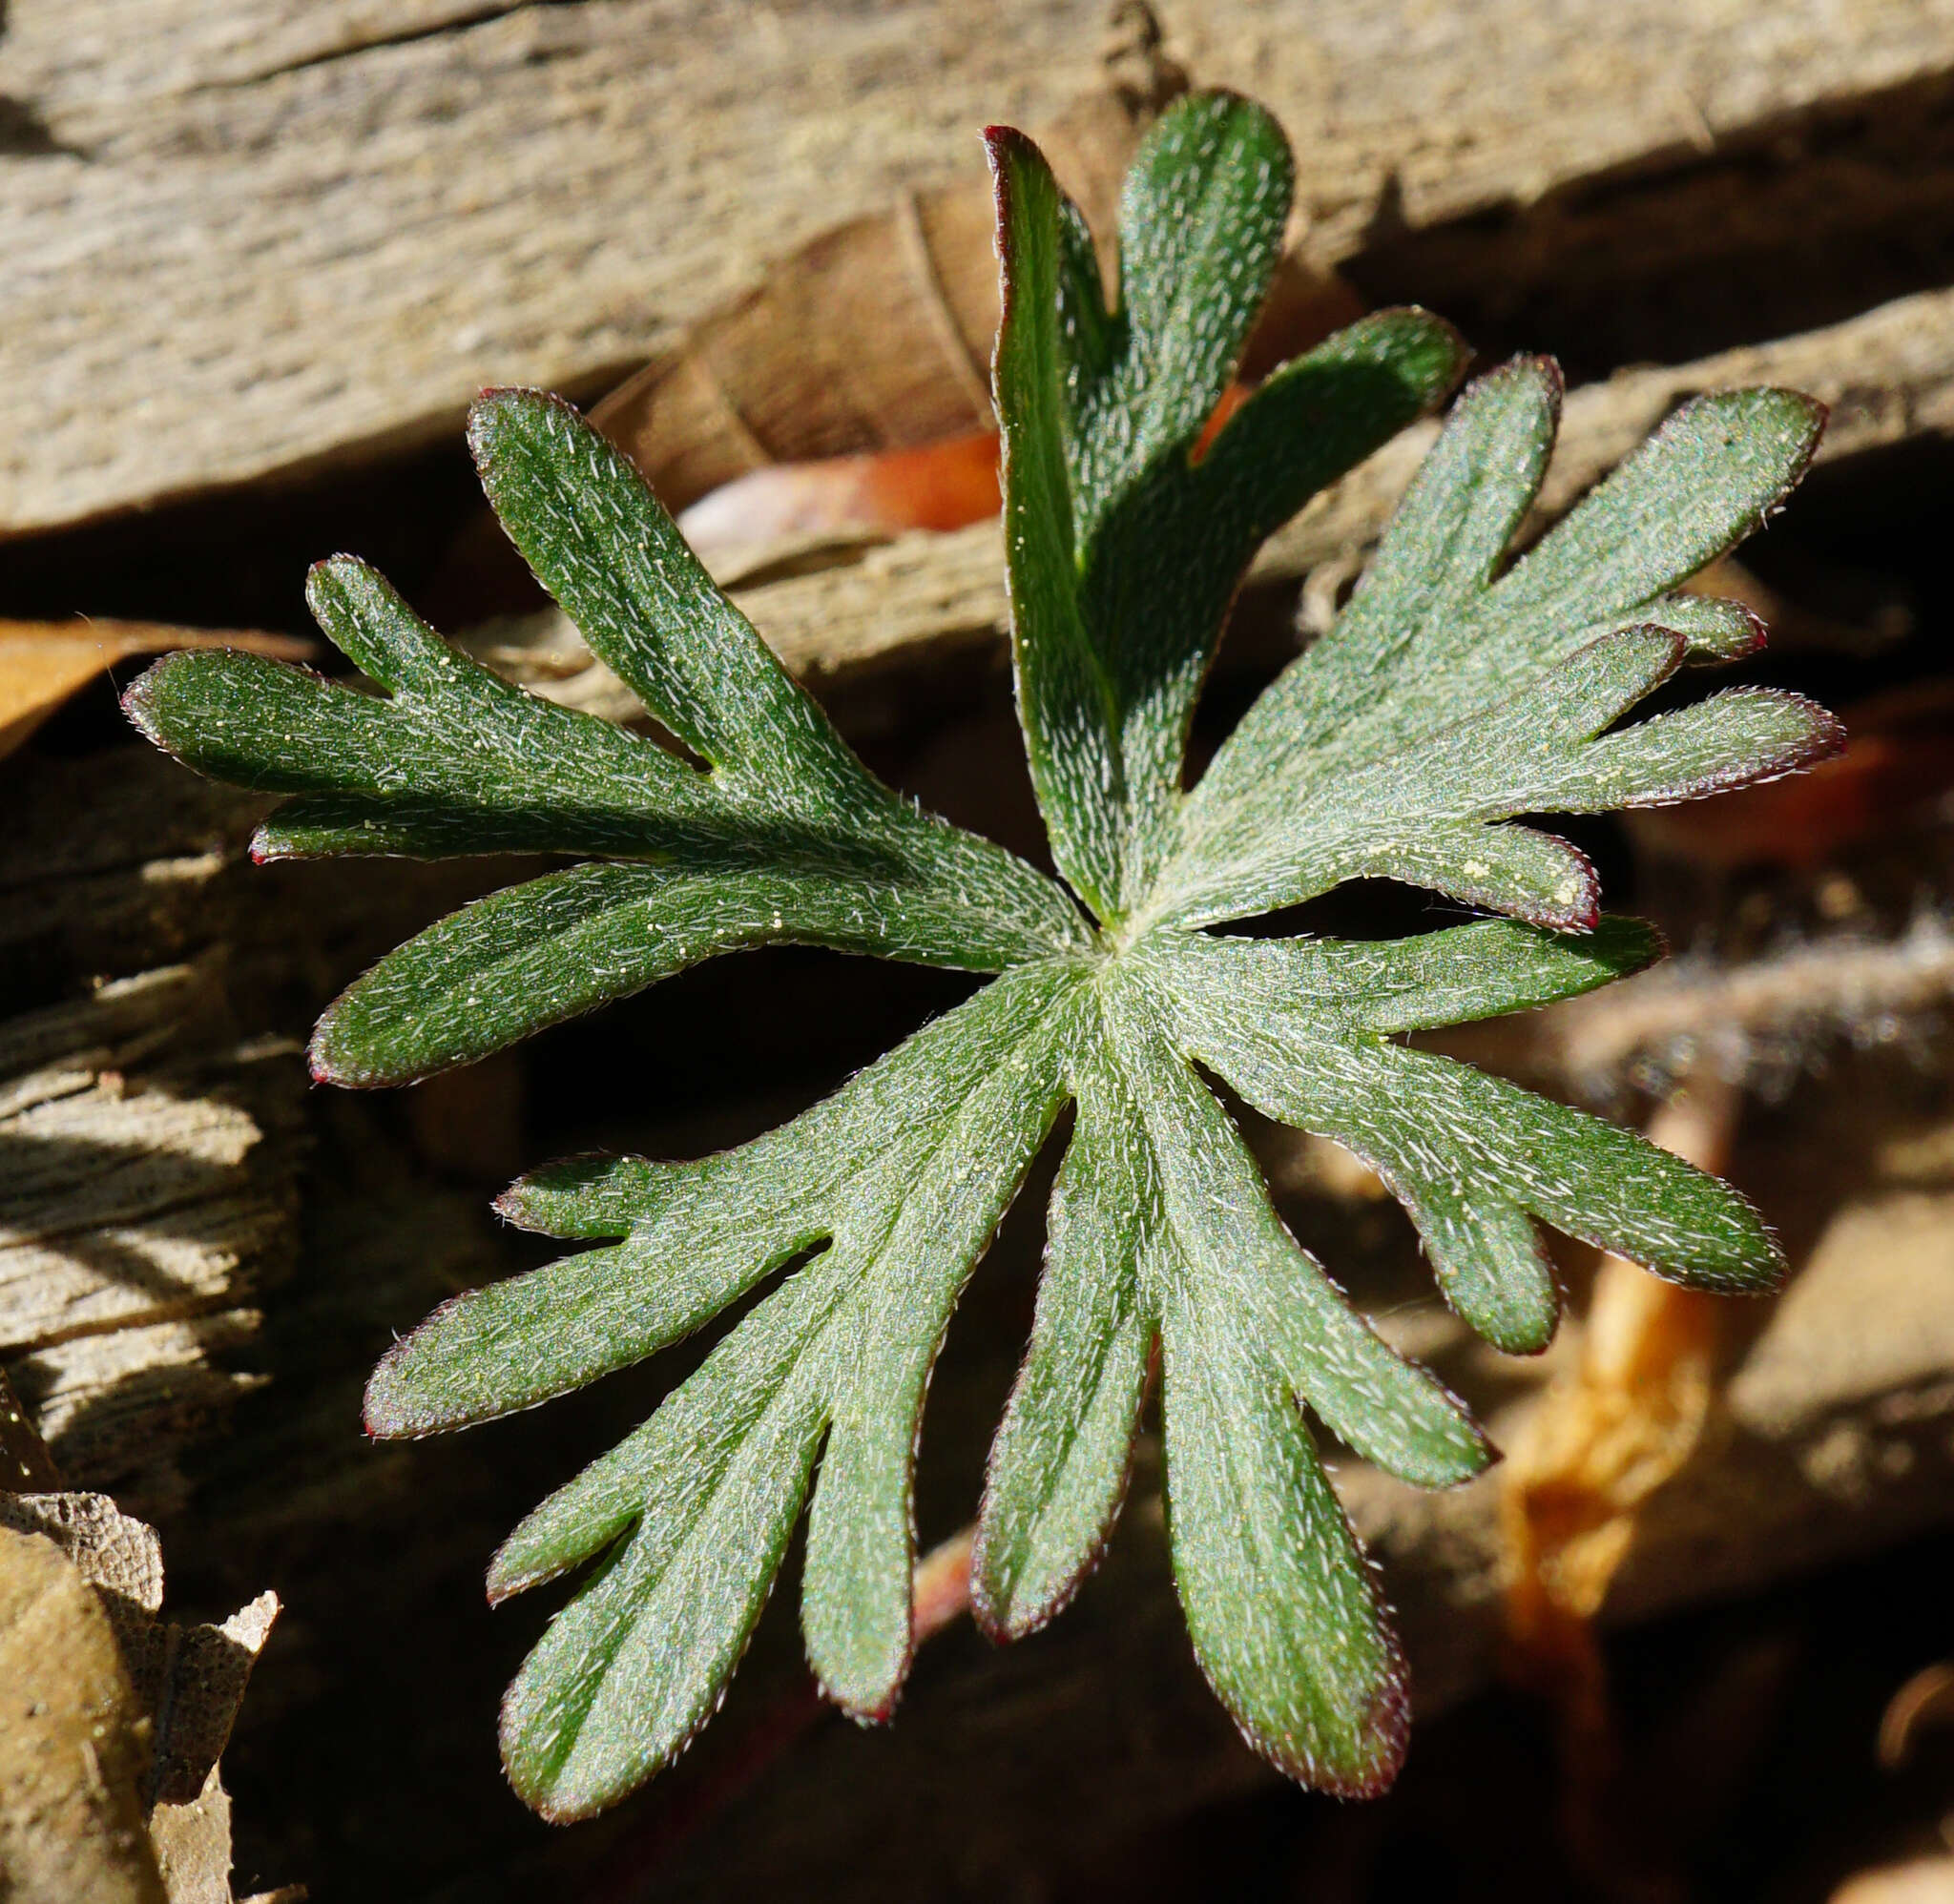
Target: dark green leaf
[(1123, 549), (1387, 746), (787, 839), (1473, 1159), (900, 1179), (1455, 697)]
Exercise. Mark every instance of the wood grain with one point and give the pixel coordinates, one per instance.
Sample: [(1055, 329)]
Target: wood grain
[(261, 237)]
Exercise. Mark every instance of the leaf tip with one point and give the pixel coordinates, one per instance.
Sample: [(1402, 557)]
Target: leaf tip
[(535, 1777), (555, 1767), (1828, 733), (1535, 367), (502, 1581), (1440, 331), (1002, 142), (385, 1411), (1387, 1738), (1367, 1754), (145, 702), (995, 1611), (1001, 1608), (1629, 945), (326, 1057), (1571, 903), (404, 1400), (866, 1712), (1748, 638), (139, 703), (331, 578), (501, 409), (1577, 903), (1005, 148)]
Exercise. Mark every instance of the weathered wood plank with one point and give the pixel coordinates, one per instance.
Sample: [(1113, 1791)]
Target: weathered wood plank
[(151, 1135), (239, 240)]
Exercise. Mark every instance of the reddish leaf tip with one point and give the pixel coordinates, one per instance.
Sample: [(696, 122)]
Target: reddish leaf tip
[(320, 1060), (1382, 1736), (135, 705), (1757, 634), (1829, 735), (883, 1709)]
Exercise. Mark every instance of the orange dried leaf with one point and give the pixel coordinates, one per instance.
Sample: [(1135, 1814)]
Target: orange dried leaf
[(44, 663)]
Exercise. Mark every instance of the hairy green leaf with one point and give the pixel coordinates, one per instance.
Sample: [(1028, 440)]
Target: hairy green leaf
[(1460, 693), (1418, 712), (785, 838), (897, 1183), (1124, 546)]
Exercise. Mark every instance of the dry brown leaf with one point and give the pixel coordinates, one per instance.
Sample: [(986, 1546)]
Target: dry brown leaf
[(1926, 1700), (1928, 1880), (877, 494), (149, 1813), (74, 1746), (43, 663), (1603, 1439)]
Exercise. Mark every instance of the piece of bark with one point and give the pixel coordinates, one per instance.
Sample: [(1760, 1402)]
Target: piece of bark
[(281, 235), (152, 1123), (191, 1679), (141, 1208)]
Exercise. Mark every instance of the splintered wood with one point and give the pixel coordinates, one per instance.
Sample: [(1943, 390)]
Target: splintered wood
[(147, 1156)]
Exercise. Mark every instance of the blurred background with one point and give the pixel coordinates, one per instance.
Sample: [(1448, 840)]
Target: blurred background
[(1691, 1640)]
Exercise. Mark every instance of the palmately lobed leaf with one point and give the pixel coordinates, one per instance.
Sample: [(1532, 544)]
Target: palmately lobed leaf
[(782, 837), (1418, 714), (1461, 694)]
